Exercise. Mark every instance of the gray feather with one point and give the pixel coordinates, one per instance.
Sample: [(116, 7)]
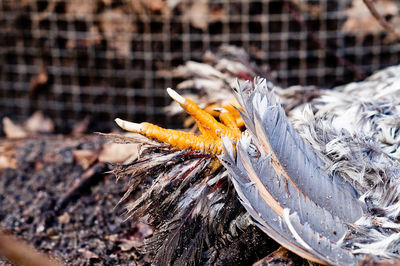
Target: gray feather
[(266, 219), (324, 222), (298, 159), (273, 168), (318, 222), (320, 246)]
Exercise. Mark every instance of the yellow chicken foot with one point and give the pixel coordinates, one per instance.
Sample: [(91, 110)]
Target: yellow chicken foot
[(178, 139), (212, 131), (206, 122)]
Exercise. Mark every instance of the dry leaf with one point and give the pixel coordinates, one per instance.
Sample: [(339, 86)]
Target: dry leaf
[(20, 253), (143, 230), (7, 155), (281, 256), (128, 244), (360, 22), (38, 165), (12, 130), (81, 9), (198, 14), (88, 254), (305, 6), (84, 158), (64, 218), (118, 28), (7, 162), (113, 237), (38, 123), (156, 5), (118, 153), (171, 4), (146, 8)]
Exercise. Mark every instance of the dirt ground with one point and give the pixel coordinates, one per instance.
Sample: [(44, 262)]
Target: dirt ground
[(52, 202)]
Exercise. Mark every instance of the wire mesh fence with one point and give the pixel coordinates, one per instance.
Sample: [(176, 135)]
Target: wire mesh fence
[(108, 58)]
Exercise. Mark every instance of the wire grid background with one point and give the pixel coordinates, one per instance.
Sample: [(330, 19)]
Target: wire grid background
[(65, 62)]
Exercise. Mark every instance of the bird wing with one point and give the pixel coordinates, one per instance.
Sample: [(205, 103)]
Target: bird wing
[(281, 181)]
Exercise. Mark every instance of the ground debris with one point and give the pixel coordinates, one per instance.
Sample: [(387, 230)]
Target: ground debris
[(20, 253), (281, 257), (51, 201), (37, 123)]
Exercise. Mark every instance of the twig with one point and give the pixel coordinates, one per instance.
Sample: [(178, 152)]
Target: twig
[(91, 175), (381, 20), (20, 253)]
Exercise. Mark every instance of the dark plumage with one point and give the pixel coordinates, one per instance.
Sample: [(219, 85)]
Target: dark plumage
[(322, 182), (196, 214)]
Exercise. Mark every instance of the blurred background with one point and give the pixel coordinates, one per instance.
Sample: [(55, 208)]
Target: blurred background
[(103, 59)]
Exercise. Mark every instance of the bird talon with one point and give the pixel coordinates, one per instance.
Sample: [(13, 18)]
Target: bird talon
[(212, 131)]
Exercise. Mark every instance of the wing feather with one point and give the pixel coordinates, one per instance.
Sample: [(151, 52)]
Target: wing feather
[(266, 219), (317, 244), (273, 169), (295, 159)]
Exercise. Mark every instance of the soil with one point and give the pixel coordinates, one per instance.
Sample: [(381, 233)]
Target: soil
[(52, 202)]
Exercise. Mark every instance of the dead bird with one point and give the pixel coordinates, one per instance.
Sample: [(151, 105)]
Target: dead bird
[(323, 182)]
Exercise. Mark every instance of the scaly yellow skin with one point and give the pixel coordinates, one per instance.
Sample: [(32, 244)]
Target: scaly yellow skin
[(231, 108), (212, 131), (182, 140)]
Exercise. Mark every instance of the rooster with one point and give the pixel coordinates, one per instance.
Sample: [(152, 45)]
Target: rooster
[(316, 171)]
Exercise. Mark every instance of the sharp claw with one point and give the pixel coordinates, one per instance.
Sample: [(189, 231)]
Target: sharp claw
[(175, 96), (129, 126), (221, 110), (212, 130)]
